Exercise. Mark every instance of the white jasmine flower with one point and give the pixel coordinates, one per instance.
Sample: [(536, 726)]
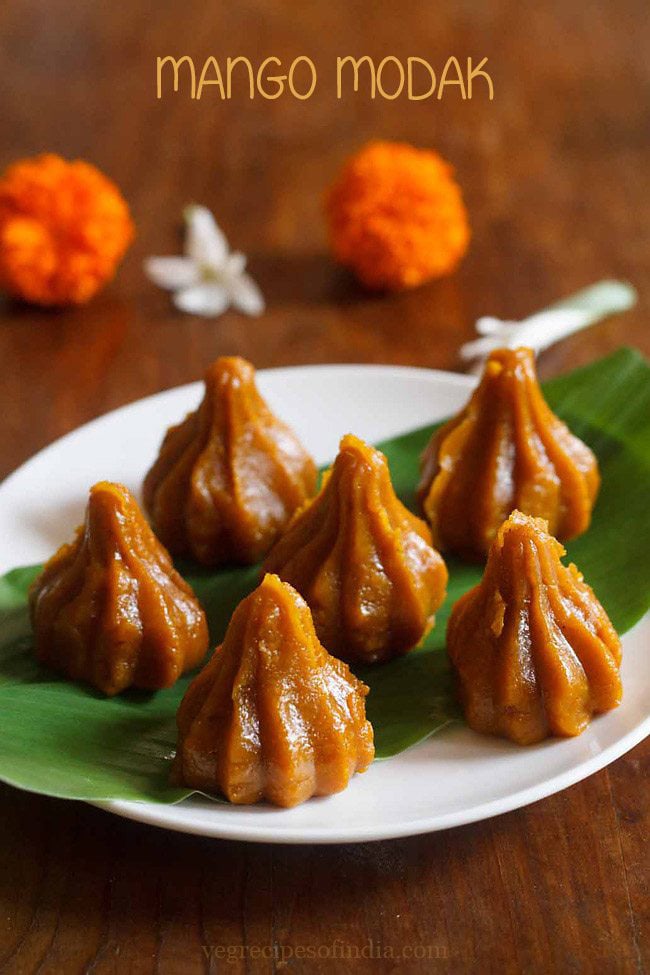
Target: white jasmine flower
[(209, 277), (547, 327)]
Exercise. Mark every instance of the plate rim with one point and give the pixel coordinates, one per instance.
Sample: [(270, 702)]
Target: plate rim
[(133, 810), (155, 814)]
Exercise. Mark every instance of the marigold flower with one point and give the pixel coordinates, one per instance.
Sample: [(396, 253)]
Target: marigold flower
[(64, 227), (396, 216)]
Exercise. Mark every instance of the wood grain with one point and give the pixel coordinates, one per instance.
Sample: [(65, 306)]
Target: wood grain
[(555, 173)]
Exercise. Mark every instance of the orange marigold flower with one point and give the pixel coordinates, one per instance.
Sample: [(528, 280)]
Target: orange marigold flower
[(396, 216), (64, 227)]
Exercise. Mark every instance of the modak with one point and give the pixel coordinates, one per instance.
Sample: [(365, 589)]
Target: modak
[(229, 477), (110, 609), (362, 561), (272, 715), (534, 651), (505, 450)]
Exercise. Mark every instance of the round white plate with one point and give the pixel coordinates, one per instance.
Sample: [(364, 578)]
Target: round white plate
[(457, 776)]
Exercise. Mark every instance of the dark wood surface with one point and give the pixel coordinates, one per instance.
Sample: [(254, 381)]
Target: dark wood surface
[(557, 179)]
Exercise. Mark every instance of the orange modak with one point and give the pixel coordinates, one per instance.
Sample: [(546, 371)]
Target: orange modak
[(272, 715), (110, 609), (64, 228), (230, 476), (505, 450), (534, 652), (362, 561)]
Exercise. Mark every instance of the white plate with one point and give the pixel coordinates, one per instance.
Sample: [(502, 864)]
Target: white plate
[(457, 776)]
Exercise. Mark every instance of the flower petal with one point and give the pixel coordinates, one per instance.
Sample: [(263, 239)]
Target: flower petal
[(205, 242), (245, 295), (171, 272), (209, 300), (235, 263)]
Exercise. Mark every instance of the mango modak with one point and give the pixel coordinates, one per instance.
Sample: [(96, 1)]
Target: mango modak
[(362, 561), (110, 609), (535, 653), (229, 477), (505, 450), (272, 715)]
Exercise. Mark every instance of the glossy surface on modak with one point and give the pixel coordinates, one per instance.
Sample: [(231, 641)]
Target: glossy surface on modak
[(362, 561), (506, 449), (229, 477), (534, 651), (110, 609), (272, 715)]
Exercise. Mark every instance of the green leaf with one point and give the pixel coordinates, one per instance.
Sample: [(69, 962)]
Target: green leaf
[(67, 740)]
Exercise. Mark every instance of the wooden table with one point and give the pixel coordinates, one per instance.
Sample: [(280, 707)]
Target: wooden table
[(556, 176)]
